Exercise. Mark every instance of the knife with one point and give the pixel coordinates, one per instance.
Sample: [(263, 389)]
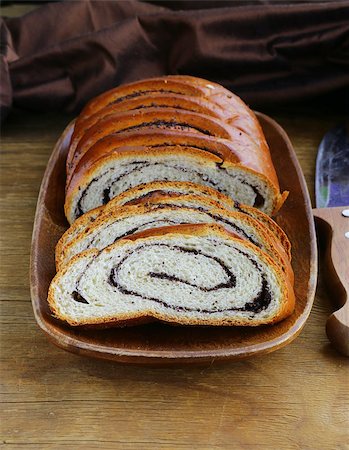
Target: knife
[(332, 220)]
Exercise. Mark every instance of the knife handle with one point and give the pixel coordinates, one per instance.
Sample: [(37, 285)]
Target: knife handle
[(334, 225)]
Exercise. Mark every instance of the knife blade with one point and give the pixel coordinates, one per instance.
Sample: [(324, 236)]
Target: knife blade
[(332, 169), (332, 217)]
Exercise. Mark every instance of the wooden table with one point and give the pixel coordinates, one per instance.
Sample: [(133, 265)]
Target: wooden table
[(295, 398)]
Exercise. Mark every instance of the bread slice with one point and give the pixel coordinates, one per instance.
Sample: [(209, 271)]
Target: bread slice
[(167, 194), (146, 192), (189, 275), (97, 183), (117, 223), (193, 195), (240, 149)]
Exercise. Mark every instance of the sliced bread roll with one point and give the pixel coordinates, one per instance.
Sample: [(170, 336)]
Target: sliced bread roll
[(189, 275), (120, 222), (98, 182)]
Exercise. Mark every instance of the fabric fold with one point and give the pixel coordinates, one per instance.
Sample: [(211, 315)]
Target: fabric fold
[(60, 55)]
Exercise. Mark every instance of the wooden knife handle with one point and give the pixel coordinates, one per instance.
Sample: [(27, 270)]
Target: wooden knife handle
[(333, 223)]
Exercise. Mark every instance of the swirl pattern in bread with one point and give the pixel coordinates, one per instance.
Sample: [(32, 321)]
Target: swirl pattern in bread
[(182, 194), (194, 195), (112, 174), (192, 275), (117, 223)]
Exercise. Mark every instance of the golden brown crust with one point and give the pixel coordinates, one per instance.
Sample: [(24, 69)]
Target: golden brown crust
[(157, 119), (243, 117), (189, 93), (180, 85), (145, 86), (281, 200), (286, 308), (81, 223), (182, 228), (157, 99)]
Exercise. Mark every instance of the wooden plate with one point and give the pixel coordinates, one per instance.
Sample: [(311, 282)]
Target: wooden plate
[(165, 344)]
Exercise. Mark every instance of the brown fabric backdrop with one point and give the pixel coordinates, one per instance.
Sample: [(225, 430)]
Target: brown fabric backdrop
[(62, 54)]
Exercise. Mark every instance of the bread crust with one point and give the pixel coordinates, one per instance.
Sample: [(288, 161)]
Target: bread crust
[(80, 224), (184, 92), (184, 85), (163, 118), (157, 99), (286, 307)]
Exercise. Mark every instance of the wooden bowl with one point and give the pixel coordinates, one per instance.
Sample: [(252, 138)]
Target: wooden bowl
[(166, 344)]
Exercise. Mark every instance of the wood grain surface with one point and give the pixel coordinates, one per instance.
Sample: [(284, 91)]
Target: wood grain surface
[(295, 398)]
